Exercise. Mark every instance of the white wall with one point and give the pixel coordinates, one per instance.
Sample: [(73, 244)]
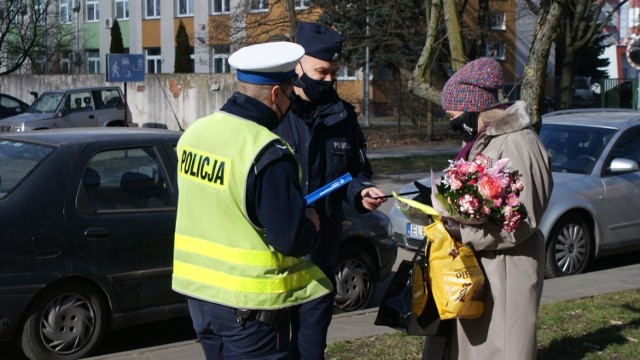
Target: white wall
[(174, 100)]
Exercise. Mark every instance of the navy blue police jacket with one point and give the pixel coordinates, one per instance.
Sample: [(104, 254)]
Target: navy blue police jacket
[(274, 185), (329, 143)]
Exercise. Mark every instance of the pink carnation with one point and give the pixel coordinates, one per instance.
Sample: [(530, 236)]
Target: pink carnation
[(482, 189)]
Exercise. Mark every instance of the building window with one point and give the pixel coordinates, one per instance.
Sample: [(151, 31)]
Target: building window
[(154, 60), (122, 9), (498, 20), (221, 63), (301, 4), (220, 6), (152, 9), (344, 73), (185, 7), (65, 11), (495, 49), (65, 66), (259, 5), (93, 62), (93, 10)]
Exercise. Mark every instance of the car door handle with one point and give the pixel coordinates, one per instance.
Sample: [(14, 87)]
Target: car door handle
[(96, 232), (92, 116)]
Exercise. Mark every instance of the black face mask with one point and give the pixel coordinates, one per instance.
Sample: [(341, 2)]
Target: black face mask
[(318, 91), (284, 113), (467, 123)]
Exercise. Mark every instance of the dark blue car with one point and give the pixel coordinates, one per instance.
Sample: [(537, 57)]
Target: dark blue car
[(88, 217)]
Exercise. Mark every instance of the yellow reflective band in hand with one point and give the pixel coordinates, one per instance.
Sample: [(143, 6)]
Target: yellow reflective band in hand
[(415, 211)]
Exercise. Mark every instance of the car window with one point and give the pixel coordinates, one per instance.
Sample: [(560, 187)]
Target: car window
[(109, 98), (77, 102), (17, 159), (574, 149), (125, 179), (8, 103), (47, 103), (627, 146)]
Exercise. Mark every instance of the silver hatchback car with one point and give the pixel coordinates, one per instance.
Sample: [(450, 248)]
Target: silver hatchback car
[(595, 205), (78, 107)]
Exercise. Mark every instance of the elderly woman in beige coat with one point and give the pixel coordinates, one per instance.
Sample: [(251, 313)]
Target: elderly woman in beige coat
[(513, 262)]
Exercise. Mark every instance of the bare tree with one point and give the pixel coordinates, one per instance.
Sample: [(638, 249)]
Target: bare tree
[(30, 33)]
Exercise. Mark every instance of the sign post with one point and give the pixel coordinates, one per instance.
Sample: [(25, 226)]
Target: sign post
[(125, 68), (633, 56)]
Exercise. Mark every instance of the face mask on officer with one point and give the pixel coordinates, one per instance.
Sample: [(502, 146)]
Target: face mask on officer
[(288, 96), (467, 124), (318, 91)]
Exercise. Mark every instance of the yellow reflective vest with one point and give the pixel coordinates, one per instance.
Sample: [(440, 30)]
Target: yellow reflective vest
[(219, 255)]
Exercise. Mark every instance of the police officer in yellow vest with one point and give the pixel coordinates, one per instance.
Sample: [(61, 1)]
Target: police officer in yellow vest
[(243, 226)]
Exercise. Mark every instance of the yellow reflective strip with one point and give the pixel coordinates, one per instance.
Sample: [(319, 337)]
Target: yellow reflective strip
[(273, 285), (264, 258)]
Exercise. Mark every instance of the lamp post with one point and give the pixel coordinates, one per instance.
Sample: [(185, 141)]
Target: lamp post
[(365, 81)]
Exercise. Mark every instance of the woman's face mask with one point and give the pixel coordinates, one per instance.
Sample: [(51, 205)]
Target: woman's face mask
[(467, 123)]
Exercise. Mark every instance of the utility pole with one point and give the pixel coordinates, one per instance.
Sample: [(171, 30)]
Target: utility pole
[(365, 81)]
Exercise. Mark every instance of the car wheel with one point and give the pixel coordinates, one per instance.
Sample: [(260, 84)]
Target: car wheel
[(569, 247), (355, 279), (65, 322)]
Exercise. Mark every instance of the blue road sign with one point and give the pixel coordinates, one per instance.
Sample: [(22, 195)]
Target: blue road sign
[(125, 67)]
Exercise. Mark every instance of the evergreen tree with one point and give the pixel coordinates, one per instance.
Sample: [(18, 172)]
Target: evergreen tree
[(183, 58), (117, 46), (591, 62)]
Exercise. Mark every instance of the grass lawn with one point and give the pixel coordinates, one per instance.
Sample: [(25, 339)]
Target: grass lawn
[(597, 327)]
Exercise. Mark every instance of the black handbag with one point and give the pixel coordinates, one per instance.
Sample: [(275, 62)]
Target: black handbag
[(407, 304)]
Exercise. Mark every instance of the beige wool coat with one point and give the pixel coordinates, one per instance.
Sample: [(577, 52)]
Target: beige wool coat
[(513, 263)]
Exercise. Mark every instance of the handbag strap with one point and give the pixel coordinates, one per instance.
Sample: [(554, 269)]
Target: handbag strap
[(423, 243)]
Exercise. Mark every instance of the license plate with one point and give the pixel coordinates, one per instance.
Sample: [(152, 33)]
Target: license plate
[(415, 231)]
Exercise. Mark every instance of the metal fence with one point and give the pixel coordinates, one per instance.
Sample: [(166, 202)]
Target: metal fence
[(616, 93)]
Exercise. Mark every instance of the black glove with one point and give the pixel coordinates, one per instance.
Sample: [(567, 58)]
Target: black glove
[(453, 228)]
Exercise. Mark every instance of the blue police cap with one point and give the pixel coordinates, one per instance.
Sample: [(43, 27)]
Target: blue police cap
[(267, 63), (319, 41)]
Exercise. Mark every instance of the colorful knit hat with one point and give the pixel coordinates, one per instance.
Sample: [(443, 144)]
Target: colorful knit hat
[(474, 87)]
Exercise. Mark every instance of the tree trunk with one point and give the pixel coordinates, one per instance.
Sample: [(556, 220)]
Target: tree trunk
[(535, 72), (420, 81)]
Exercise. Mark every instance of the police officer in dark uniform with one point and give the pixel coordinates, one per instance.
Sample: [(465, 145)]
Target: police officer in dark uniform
[(323, 131), (242, 222)]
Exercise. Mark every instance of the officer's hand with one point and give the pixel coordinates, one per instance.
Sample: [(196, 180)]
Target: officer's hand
[(367, 198), (313, 216)]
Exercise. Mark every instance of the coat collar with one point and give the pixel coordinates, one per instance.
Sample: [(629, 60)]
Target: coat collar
[(514, 118)]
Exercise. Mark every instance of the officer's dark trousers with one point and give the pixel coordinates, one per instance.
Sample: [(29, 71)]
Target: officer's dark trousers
[(309, 325), (223, 337)]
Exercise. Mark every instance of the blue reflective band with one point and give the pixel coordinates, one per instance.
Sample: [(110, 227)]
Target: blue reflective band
[(342, 180), (265, 78)]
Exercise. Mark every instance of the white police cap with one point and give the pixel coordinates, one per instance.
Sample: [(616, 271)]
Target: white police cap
[(267, 63)]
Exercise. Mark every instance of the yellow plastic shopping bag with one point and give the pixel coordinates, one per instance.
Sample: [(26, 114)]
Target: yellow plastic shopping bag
[(454, 274)]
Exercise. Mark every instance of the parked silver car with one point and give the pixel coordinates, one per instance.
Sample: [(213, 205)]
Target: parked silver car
[(79, 107), (595, 205)]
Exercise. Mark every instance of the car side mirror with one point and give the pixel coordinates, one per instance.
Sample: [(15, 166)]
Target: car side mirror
[(620, 165), (61, 113)]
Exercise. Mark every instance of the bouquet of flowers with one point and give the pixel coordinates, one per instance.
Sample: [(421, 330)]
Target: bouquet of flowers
[(472, 192)]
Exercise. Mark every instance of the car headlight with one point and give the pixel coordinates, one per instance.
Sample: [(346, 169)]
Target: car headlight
[(18, 128)]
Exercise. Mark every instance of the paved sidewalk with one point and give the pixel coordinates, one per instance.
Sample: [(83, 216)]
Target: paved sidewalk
[(359, 324)]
